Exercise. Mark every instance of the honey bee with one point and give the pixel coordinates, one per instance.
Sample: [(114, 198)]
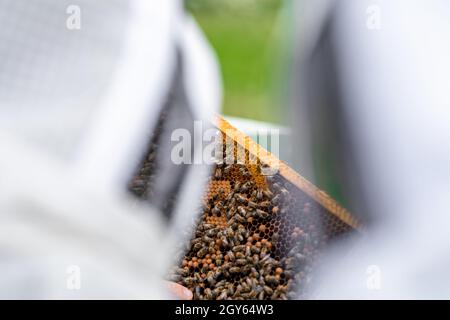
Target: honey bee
[(202, 252), (230, 232), (226, 266), (241, 262), (231, 256), (271, 280), (246, 186), (241, 210), (255, 249), (282, 289), (262, 214), (264, 204), (264, 259), (197, 292), (212, 232), (268, 193), (215, 211), (252, 204), (240, 248), (209, 294), (220, 284), (243, 170), (207, 239), (206, 226), (240, 198), (238, 290), (231, 222), (230, 289), (245, 287), (196, 240), (240, 255), (223, 295), (239, 218), (182, 272), (268, 290), (218, 173), (224, 242), (250, 214), (243, 231), (235, 270), (227, 169), (188, 281), (246, 268), (261, 281), (229, 196)]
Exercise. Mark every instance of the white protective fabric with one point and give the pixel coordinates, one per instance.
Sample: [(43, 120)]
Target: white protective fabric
[(76, 108), (392, 59)]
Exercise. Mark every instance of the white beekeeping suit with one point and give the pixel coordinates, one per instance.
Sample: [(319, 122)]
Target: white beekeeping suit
[(379, 70), (82, 84)]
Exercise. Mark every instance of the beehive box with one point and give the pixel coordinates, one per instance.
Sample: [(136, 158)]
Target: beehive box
[(258, 236)]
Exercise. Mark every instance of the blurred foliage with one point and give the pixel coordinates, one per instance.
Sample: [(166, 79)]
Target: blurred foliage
[(246, 39)]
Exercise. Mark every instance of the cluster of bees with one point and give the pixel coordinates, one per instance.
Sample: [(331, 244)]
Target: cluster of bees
[(141, 183), (256, 239)]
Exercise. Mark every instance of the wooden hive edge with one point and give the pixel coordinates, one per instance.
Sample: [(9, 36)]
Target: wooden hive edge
[(287, 172)]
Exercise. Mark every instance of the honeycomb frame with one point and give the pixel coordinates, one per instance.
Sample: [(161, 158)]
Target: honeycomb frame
[(282, 224)]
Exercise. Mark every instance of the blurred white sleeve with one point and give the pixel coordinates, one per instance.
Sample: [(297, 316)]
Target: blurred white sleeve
[(393, 66)]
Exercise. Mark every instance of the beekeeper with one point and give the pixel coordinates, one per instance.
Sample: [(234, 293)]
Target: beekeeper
[(82, 85)]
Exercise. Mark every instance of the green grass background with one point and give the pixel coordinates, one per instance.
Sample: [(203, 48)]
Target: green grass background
[(245, 36)]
